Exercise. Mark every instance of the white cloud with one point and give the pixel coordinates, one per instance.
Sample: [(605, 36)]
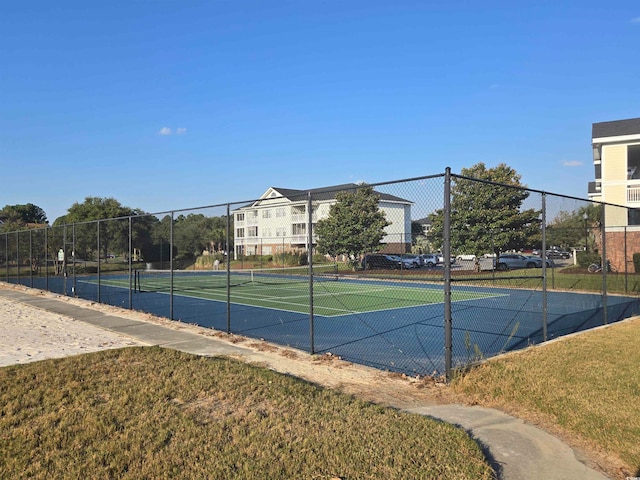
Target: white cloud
[(635, 20), (572, 163), (181, 131), (164, 131)]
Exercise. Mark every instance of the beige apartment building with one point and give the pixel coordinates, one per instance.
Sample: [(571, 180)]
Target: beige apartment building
[(278, 220), (616, 159)]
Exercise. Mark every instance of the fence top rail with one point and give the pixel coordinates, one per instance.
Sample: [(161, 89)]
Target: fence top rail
[(542, 192), (337, 188)]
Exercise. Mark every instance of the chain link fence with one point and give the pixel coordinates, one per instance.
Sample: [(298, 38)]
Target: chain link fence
[(465, 269)]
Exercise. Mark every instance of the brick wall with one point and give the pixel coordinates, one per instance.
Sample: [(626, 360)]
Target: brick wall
[(616, 249)]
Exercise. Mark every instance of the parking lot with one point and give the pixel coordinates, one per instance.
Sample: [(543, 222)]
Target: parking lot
[(487, 264)]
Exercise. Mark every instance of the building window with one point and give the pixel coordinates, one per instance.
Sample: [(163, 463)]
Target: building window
[(281, 232), (280, 212), (240, 217), (633, 216), (239, 232), (266, 232), (633, 162), (299, 228), (598, 168), (252, 231), (266, 214)]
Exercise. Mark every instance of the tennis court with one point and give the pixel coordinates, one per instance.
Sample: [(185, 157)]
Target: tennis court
[(289, 290), (385, 323)]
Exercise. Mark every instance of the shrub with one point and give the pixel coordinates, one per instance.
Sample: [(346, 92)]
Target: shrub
[(289, 259), (585, 259)]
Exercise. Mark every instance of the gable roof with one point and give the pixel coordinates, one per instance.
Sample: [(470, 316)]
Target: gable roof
[(616, 128)]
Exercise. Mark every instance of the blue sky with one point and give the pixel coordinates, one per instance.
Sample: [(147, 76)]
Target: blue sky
[(175, 104)]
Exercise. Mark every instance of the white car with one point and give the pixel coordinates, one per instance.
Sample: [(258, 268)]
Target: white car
[(466, 258)]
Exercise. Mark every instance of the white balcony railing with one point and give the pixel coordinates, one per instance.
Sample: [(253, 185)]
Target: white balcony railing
[(633, 194), (302, 239), (303, 218)]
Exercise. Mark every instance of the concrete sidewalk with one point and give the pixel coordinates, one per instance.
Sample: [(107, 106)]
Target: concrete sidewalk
[(518, 451)]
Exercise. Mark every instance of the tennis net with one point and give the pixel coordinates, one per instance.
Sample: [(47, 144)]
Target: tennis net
[(194, 280)]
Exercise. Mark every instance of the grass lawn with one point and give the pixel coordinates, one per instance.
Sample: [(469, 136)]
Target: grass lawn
[(155, 413), (587, 388)]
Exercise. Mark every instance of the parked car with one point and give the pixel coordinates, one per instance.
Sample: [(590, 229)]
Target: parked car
[(549, 261), (416, 259), (404, 262), (558, 254), (508, 261), (430, 259), (441, 258), (379, 261), (465, 257)]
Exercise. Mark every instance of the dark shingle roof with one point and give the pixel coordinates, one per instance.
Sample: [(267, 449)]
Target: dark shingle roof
[(328, 193), (616, 128)]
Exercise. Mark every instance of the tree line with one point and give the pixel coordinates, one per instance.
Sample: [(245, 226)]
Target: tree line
[(487, 215), (193, 233)]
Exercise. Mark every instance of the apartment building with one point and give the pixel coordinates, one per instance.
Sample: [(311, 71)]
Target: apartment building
[(616, 159), (278, 220)]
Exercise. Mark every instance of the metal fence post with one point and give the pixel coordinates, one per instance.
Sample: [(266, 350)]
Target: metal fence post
[(310, 263), (130, 266), (446, 231), (605, 265), (46, 258), (6, 256), (228, 264), (64, 258), (171, 268), (31, 258), (626, 271), (73, 256), (18, 256), (544, 267), (98, 269)]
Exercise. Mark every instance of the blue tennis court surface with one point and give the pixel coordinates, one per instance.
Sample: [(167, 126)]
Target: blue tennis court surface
[(391, 325)]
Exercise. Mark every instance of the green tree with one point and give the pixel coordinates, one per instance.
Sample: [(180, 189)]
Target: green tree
[(114, 233), (487, 215), (22, 217), (355, 224), (192, 234)]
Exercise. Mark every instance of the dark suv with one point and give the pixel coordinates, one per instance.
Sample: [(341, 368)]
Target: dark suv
[(379, 261)]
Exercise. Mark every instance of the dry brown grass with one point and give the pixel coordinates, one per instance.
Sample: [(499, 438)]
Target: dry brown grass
[(585, 388), (155, 413)]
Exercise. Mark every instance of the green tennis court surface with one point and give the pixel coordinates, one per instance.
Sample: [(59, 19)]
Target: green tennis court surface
[(332, 296)]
